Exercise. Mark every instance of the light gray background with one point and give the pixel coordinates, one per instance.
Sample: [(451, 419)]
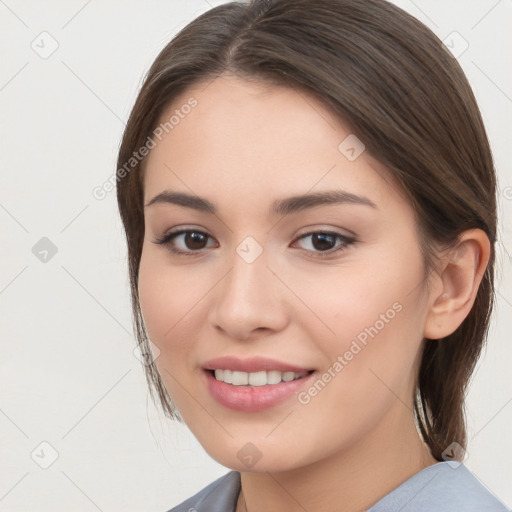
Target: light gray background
[(68, 374)]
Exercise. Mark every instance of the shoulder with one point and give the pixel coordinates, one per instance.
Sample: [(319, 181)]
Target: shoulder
[(219, 496), (444, 487)]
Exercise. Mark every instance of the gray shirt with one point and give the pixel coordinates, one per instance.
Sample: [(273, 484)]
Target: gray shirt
[(443, 487)]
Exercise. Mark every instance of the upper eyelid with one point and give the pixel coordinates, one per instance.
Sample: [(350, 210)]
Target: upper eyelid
[(180, 231), (322, 230), (170, 235)]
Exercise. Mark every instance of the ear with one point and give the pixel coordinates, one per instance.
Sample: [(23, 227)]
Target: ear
[(460, 274)]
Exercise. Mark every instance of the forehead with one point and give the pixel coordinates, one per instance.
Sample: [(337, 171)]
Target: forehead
[(258, 140)]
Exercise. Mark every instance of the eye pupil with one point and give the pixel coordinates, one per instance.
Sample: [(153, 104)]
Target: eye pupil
[(195, 240), (323, 241)]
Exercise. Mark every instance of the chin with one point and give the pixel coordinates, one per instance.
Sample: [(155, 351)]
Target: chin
[(256, 457)]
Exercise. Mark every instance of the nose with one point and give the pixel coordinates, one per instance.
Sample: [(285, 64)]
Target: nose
[(249, 301)]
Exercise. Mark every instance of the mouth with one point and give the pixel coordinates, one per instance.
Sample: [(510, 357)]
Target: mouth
[(254, 384)]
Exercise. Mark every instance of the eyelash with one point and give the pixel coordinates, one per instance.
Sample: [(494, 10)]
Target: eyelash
[(167, 238)]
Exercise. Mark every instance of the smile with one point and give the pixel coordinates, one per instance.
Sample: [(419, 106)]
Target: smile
[(261, 378)]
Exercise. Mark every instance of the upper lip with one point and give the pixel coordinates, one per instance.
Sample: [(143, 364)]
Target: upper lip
[(252, 364)]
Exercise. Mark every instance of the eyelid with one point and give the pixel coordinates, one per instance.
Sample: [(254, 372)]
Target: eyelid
[(346, 241), (319, 228), (325, 232), (183, 229), (171, 234)]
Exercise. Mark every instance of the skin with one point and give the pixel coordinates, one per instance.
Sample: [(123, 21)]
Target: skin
[(243, 147)]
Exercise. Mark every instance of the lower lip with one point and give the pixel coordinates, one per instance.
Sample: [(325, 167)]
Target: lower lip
[(253, 398)]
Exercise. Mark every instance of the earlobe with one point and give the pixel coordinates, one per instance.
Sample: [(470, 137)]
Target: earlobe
[(462, 270)]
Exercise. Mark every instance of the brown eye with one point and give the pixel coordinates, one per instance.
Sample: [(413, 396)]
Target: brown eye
[(321, 243), (186, 241), (195, 240)]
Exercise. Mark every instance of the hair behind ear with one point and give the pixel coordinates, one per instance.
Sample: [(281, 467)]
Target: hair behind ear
[(446, 367)]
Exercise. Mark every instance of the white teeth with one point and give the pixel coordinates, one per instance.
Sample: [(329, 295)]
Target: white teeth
[(258, 378), (273, 377), (261, 378), (240, 378), (288, 376)]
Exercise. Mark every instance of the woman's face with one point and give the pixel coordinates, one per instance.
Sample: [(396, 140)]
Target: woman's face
[(300, 261)]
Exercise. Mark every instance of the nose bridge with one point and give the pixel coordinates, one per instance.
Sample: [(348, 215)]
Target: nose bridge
[(248, 298), (248, 270)]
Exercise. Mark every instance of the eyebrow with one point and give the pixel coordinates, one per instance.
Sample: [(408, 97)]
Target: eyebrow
[(182, 199), (303, 202), (279, 207)]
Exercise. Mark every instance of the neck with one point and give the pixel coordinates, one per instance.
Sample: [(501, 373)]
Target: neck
[(357, 477)]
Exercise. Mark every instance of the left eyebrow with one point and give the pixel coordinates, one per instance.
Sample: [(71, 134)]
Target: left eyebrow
[(305, 201)]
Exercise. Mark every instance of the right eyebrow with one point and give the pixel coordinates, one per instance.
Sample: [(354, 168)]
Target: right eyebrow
[(181, 199)]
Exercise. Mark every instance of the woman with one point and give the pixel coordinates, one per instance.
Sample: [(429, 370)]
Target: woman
[(309, 202)]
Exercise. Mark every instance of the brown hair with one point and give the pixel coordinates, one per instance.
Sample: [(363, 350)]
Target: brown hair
[(392, 80)]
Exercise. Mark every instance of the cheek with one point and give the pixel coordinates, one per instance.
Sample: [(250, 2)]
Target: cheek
[(370, 365), (167, 299), (349, 299)]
